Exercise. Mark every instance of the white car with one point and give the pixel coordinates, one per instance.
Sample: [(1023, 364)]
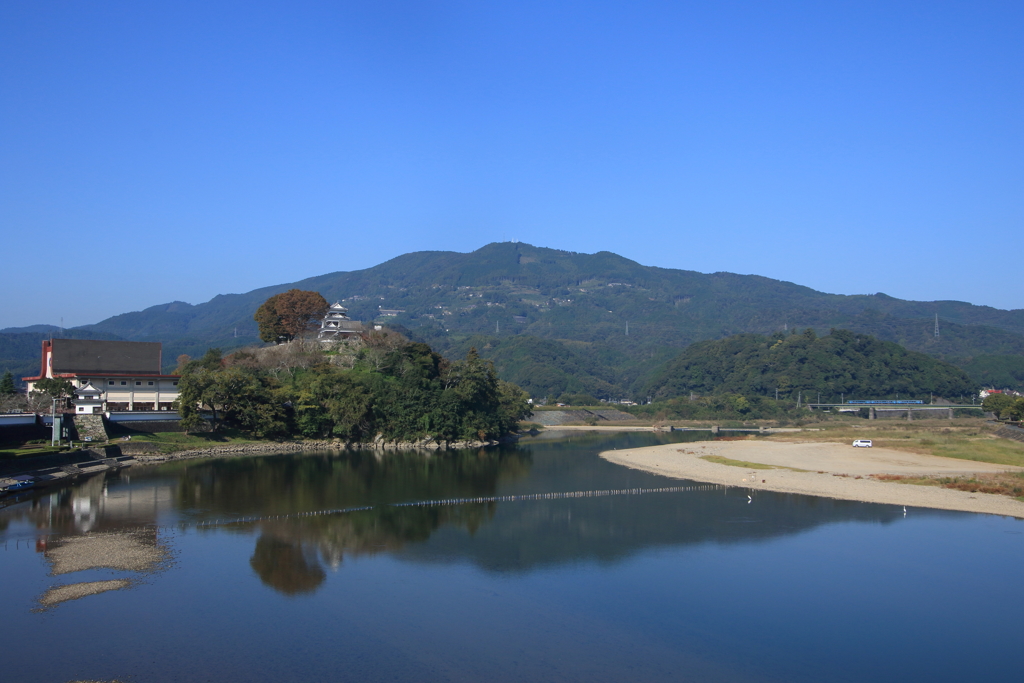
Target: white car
[(862, 443)]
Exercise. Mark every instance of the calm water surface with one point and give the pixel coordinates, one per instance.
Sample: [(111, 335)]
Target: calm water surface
[(695, 585)]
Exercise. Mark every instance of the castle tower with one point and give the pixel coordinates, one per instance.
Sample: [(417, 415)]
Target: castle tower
[(337, 325)]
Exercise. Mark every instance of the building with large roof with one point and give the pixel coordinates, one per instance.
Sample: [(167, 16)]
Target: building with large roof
[(337, 325), (126, 375)]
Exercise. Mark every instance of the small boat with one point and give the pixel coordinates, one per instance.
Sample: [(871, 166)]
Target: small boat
[(19, 482)]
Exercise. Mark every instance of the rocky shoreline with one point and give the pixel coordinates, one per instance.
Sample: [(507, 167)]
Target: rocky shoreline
[(68, 466), (315, 445)]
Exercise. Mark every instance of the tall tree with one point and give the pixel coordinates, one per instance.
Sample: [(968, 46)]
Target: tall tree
[(1000, 404), (7, 387), (60, 389), (289, 314)]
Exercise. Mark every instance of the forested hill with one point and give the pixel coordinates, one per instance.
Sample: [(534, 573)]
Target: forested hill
[(580, 305), (841, 364)]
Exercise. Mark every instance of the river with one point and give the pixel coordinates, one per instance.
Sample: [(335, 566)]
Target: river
[(451, 567)]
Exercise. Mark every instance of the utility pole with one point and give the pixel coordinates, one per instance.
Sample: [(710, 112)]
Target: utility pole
[(497, 327), (54, 429)]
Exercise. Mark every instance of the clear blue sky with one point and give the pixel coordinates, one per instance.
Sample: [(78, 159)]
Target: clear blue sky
[(159, 151)]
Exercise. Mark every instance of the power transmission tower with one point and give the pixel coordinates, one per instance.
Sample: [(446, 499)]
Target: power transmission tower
[(936, 325)]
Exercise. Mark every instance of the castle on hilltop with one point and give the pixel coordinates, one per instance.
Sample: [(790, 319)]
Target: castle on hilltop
[(337, 325)]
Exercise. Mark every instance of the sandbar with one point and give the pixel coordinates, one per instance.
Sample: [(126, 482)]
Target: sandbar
[(834, 471), (75, 591)]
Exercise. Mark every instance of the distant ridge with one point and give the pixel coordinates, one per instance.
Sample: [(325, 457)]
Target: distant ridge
[(581, 303)]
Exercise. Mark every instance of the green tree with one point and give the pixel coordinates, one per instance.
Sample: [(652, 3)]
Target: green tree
[(840, 363), (1015, 411), (7, 387), (58, 388), (334, 403), (998, 404), (289, 314), (403, 393)]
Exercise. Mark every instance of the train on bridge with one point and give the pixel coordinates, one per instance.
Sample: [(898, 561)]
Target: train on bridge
[(884, 403)]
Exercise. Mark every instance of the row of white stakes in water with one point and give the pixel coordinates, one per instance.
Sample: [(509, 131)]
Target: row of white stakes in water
[(466, 501)]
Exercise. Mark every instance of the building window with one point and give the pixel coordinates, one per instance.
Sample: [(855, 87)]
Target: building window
[(149, 383), (138, 384), (123, 383), (175, 384), (111, 382)]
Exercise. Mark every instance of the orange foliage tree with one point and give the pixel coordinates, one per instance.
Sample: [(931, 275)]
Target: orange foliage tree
[(286, 315)]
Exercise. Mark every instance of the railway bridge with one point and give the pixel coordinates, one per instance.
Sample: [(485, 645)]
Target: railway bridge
[(895, 408)]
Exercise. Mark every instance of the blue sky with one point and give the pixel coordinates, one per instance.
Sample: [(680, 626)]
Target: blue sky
[(152, 152)]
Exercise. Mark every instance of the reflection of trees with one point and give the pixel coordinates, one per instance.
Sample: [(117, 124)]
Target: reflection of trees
[(289, 484), (372, 531), (285, 567), (289, 551)]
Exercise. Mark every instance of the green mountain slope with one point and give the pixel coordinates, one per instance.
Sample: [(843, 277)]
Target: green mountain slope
[(841, 364), (592, 306), (20, 353), (1000, 372)]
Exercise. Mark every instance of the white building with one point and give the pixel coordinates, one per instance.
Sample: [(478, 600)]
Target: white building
[(119, 375), (88, 400), (337, 325)]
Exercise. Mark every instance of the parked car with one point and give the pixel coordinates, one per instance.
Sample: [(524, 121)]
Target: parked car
[(862, 443)]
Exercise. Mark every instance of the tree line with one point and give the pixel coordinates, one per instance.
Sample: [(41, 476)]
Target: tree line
[(840, 364), (1004, 406), (388, 387)]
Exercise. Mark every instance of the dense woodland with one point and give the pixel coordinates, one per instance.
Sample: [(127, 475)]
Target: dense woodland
[(383, 386), (840, 364)]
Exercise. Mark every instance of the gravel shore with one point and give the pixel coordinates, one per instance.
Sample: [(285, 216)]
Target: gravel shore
[(834, 471)]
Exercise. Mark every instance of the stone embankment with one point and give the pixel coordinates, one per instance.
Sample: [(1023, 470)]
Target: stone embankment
[(1010, 432), (47, 470), (315, 445), (554, 418)]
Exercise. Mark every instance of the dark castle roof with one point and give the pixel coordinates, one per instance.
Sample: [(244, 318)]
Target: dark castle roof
[(92, 356)]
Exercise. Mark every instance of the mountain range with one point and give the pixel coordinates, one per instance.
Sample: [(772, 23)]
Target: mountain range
[(557, 321)]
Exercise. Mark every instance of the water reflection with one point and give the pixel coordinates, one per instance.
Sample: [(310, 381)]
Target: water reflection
[(285, 566), (695, 584), (99, 503), (291, 554), (101, 523)]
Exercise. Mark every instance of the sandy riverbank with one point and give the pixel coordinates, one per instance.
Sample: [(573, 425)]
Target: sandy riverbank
[(599, 428), (833, 471)]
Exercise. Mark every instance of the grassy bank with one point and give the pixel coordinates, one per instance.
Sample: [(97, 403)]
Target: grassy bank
[(28, 451), (171, 442), (964, 439), (1006, 483)]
